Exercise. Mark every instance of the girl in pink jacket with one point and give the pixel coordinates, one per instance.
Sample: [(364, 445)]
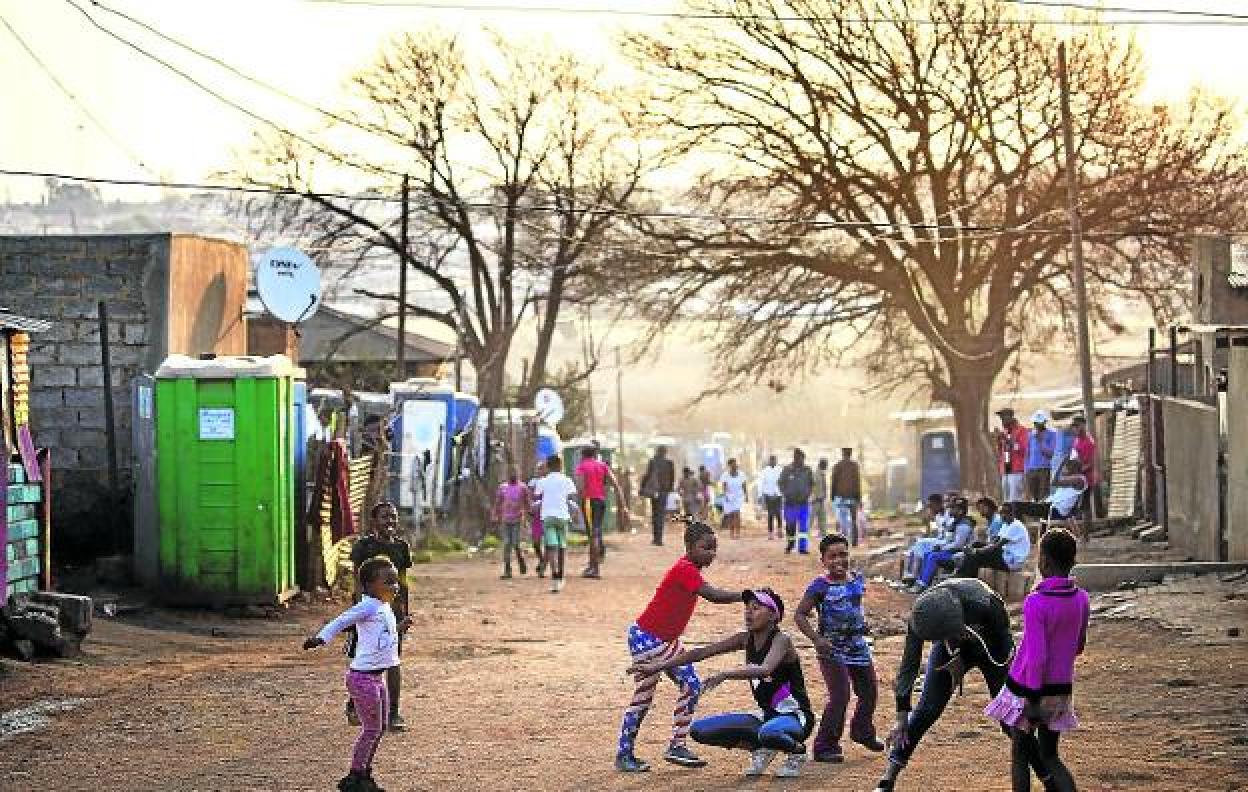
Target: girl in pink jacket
[(1036, 704)]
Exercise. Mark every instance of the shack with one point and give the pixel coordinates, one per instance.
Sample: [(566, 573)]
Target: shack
[(24, 537)]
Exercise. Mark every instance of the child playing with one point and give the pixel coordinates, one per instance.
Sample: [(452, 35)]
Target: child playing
[(386, 543), (510, 506), (377, 651), (963, 529), (535, 519), (1036, 703), (558, 494), (774, 670), (1007, 547), (655, 636), (841, 646)]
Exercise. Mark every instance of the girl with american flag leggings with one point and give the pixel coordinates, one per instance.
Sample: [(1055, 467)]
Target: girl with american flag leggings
[(656, 637)]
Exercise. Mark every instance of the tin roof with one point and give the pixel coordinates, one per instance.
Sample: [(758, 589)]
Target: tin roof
[(11, 321)]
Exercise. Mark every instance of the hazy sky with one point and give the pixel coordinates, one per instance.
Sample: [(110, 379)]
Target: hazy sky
[(309, 48)]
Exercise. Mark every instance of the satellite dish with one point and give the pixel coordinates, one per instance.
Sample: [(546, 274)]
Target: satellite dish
[(289, 284), (549, 406)]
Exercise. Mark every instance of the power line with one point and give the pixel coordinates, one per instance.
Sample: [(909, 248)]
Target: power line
[(215, 94), (1103, 9), (1188, 18), (86, 111), (238, 72), (551, 209)]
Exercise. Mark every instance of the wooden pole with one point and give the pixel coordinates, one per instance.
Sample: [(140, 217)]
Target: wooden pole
[(110, 426), (1076, 240), (400, 355)]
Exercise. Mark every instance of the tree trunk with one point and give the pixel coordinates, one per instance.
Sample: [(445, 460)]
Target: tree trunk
[(970, 395)]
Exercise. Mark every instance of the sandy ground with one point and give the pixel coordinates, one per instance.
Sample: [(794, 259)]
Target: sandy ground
[(512, 687)]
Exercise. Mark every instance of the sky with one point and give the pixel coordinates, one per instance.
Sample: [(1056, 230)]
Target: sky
[(158, 126)]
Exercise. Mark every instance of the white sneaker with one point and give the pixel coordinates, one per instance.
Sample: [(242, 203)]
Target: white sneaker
[(792, 767), (557, 585), (758, 762)]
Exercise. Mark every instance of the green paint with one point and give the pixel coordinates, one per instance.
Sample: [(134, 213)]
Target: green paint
[(225, 505)]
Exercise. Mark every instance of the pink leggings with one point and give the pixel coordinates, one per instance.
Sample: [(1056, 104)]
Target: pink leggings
[(368, 691)]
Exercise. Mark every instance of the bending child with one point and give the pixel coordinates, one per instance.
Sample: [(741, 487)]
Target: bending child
[(774, 670), (841, 646), (1037, 702), (377, 651), (655, 637)]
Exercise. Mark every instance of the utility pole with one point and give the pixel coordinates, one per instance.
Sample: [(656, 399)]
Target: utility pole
[(619, 404), (1076, 240), (400, 356)]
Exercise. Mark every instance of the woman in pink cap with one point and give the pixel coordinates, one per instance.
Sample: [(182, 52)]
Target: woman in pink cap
[(784, 718)]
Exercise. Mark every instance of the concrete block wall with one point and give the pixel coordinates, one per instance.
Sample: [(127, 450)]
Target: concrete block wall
[(62, 280), (166, 293)]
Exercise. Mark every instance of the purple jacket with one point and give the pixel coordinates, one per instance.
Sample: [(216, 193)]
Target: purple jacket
[(1055, 627)]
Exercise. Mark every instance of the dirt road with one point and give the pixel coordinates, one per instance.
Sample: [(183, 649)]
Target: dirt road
[(511, 687)]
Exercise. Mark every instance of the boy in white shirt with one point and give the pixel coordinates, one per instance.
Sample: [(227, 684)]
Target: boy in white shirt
[(558, 496), (1007, 552), (733, 483)]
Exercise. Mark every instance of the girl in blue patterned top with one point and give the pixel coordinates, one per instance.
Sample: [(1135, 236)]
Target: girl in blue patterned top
[(844, 656)]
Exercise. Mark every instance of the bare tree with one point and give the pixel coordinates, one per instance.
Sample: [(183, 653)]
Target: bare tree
[(909, 155), (521, 163)]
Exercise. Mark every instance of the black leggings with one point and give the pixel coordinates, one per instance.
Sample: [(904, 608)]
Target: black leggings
[(938, 689), (658, 513), (1038, 752), (775, 513)]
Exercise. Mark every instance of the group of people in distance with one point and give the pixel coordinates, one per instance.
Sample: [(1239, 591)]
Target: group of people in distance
[(966, 624), (1044, 474), (796, 499), (548, 503)]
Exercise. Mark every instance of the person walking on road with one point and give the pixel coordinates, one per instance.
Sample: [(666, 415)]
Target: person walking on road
[(797, 482), (657, 483), (769, 488), (592, 477), (819, 498), (846, 487), (736, 493)]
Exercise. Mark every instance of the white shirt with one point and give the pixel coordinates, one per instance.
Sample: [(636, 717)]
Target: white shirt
[(377, 644), (734, 486), (1065, 498), (1017, 544), (734, 491), (554, 489), (769, 478)]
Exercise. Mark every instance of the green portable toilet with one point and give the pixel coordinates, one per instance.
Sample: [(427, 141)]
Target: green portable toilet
[(224, 429)]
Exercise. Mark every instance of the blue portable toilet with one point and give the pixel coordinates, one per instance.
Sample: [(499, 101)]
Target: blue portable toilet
[(299, 442), (465, 411), (713, 458), (422, 442), (938, 463), (548, 443)]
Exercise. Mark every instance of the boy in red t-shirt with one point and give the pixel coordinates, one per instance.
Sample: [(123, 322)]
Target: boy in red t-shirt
[(656, 637)]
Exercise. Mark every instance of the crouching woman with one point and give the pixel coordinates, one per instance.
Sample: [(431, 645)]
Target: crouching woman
[(783, 720)]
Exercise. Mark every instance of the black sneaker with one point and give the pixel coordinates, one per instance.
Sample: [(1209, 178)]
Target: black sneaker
[(627, 763), (829, 757), (355, 782), (395, 723), (680, 755), (873, 744)]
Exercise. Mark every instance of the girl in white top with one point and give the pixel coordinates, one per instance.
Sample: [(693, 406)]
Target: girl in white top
[(376, 651), (734, 484)]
